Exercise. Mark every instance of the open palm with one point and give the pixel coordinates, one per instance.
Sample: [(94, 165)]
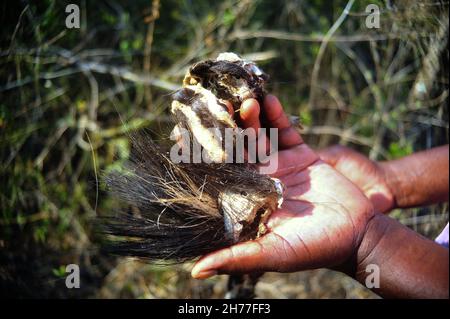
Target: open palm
[(320, 223)]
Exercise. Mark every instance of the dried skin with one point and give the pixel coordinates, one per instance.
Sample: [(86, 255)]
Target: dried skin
[(182, 211)]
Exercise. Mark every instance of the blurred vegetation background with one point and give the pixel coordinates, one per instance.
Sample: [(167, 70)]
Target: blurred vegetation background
[(69, 97)]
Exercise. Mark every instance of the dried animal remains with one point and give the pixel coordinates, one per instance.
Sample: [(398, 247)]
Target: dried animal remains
[(180, 211)]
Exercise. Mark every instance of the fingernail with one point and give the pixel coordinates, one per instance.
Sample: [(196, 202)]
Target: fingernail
[(249, 109), (203, 274), (247, 104)]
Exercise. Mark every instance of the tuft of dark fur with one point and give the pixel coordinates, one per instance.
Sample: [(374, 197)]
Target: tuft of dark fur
[(173, 213), (178, 212)]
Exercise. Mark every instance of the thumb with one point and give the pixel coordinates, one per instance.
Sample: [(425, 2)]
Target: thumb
[(258, 255), (330, 155)]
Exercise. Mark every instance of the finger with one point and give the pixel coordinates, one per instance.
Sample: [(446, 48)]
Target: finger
[(276, 117), (229, 107), (331, 155), (268, 253), (249, 114), (274, 112), (289, 161), (326, 156)]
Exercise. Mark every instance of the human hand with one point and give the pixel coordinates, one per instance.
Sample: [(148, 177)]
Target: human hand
[(321, 222), (368, 175), (276, 118)]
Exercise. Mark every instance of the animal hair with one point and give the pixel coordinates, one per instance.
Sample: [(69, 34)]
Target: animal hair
[(177, 212), (173, 213)]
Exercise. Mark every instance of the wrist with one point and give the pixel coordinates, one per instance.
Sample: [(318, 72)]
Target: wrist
[(362, 252), (408, 265), (418, 179), (376, 228)]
